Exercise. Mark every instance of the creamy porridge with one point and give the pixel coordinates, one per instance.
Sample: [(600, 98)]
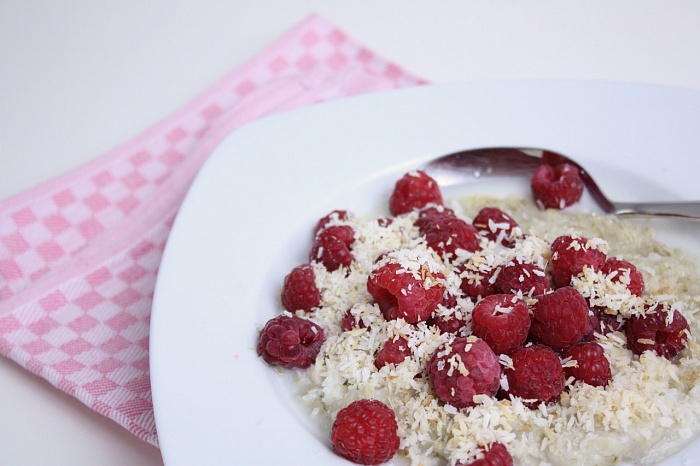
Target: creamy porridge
[(649, 407)]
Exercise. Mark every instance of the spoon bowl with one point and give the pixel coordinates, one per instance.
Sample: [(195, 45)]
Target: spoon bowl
[(470, 165)]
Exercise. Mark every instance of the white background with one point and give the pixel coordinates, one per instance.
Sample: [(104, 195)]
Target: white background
[(78, 78)]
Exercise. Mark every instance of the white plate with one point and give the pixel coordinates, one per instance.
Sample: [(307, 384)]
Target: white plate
[(248, 216)]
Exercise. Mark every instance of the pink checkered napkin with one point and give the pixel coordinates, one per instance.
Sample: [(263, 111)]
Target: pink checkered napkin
[(79, 255)]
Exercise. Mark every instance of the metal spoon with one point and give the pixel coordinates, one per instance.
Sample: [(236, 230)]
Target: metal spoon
[(506, 161)]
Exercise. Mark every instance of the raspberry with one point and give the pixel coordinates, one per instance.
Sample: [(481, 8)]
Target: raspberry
[(462, 369), (560, 318), (592, 366), (445, 234), (365, 432), (603, 323), (299, 291), (594, 326), (625, 272), (290, 341), (570, 254), (414, 190), (494, 455), (385, 222), (536, 375), (449, 300), (334, 215), (663, 331), (556, 187), (495, 225), (393, 351), (401, 295), (450, 321), (333, 246), (350, 322), (478, 284), (609, 322), (522, 278), (428, 214), (502, 321)]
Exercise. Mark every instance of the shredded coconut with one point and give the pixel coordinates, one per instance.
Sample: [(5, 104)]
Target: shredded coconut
[(650, 408)]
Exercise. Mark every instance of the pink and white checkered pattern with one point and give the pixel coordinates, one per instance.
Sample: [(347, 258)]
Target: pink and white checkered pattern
[(79, 255)]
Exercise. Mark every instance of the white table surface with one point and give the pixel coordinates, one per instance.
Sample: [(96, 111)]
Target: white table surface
[(79, 77)]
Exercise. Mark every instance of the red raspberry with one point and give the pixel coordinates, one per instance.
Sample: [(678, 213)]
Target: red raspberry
[(414, 190), (660, 330), (299, 291), (570, 254), (334, 215), (401, 295), (560, 318), (445, 234), (290, 341), (449, 300), (609, 322), (622, 267), (502, 321), (478, 284), (365, 432), (495, 225), (594, 326), (462, 369), (556, 187), (495, 455), (333, 247), (350, 322), (393, 351), (428, 214), (592, 367), (603, 323), (536, 375), (385, 222), (525, 278), (449, 322)]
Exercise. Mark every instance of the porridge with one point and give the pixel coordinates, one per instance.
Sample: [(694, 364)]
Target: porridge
[(492, 331)]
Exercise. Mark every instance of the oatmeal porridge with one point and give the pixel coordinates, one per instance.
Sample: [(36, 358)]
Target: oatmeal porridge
[(487, 324)]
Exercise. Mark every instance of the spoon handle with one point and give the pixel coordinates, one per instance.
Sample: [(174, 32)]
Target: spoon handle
[(681, 209)]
